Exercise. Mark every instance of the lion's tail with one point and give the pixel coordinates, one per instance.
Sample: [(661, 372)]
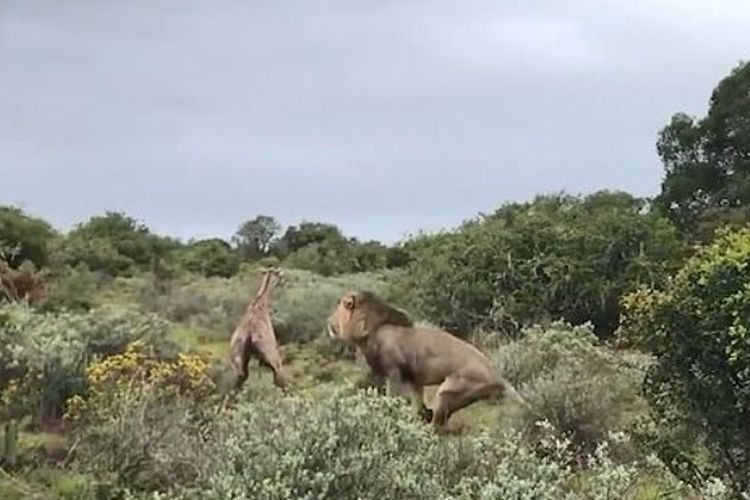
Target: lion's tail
[(509, 393)]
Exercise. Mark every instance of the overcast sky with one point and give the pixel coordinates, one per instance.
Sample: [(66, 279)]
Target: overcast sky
[(382, 116)]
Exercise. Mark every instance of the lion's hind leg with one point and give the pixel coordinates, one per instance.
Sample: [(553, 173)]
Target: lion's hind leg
[(455, 393)]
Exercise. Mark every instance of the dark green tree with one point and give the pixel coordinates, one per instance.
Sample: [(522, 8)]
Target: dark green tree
[(255, 237), (699, 387), (707, 161), (307, 233), (115, 244), (23, 237), (210, 257), (556, 257)]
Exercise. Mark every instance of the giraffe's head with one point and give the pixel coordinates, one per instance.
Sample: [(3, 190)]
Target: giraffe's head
[(275, 275)]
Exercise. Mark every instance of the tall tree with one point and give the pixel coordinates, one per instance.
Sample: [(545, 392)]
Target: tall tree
[(23, 237), (308, 233), (210, 257), (255, 236), (707, 161), (114, 243)]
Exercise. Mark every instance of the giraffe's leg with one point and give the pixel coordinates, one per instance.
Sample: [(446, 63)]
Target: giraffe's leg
[(241, 373), (270, 357)]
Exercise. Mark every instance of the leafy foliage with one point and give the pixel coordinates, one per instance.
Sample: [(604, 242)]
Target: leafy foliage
[(255, 237), (142, 444), (556, 257), (114, 244), (135, 370), (213, 257), (581, 388), (707, 161), (135, 412), (306, 234), (72, 289), (43, 356), (22, 284), (23, 237), (360, 445), (699, 387)]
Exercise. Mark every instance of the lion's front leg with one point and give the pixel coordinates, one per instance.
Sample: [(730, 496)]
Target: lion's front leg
[(414, 393)]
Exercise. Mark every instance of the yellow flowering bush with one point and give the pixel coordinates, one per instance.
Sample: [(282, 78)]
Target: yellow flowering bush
[(136, 371)]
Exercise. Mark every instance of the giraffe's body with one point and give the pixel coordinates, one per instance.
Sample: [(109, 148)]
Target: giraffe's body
[(254, 337)]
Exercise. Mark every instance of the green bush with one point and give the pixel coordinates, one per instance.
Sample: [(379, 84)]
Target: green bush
[(114, 244), (72, 289), (583, 389), (23, 237), (299, 306), (706, 183), (699, 386), (556, 257), (144, 444), (43, 356), (96, 254), (214, 304), (213, 257), (364, 446)]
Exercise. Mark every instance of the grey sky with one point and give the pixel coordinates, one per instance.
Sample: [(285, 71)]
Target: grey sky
[(380, 116)]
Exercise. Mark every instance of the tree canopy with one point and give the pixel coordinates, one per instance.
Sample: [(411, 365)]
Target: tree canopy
[(556, 257), (24, 238), (707, 161)]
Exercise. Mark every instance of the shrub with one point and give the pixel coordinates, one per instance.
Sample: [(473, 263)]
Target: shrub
[(72, 289), (299, 306), (45, 354), (137, 412), (97, 254), (22, 284), (212, 257), (215, 304), (143, 444), (140, 369), (114, 244), (581, 388), (556, 257), (699, 386), (360, 445), (26, 236)]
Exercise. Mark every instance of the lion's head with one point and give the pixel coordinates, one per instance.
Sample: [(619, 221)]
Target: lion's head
[(359, 314)]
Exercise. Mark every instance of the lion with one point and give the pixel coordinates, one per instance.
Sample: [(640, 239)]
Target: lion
[(409, 357)]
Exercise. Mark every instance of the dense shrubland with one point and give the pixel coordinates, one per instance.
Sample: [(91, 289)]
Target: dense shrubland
[(699, 386), (556, 257), (629, 342), (142, 417), (146, 419)]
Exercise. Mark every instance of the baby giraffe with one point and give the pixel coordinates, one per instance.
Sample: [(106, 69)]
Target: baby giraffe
[(254, 336)]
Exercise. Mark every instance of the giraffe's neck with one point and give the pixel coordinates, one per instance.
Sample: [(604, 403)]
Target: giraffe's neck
[(261, 299)]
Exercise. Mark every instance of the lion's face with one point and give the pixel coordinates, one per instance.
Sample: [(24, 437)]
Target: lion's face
[(346, 323)]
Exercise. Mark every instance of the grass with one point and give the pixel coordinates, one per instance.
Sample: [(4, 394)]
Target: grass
[(33, 481), (44, 483), (47, 443)]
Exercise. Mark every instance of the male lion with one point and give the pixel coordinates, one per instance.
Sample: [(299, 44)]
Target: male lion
[(409, 357)]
